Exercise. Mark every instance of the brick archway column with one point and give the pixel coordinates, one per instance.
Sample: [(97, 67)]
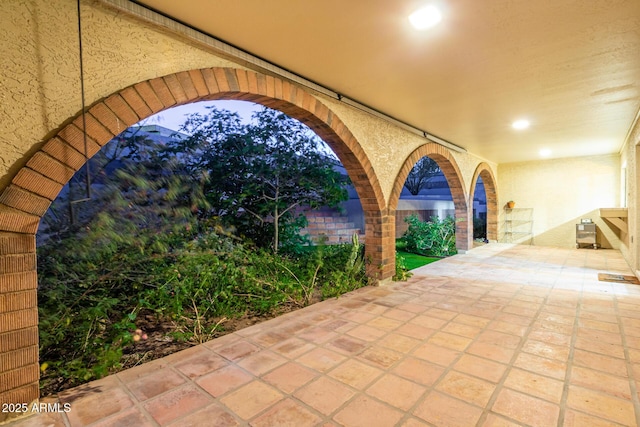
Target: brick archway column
[(490, 188), (26, 199), (449, 167)]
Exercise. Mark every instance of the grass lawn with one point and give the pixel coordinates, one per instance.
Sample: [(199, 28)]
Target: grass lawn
[(414, 261)]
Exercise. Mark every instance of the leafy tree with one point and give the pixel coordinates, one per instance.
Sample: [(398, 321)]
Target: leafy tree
[(425, 169), (258, 173)]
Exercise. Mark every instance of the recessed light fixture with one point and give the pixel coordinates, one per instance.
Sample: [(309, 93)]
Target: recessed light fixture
[(545, 152), (521, 124), (426, 17)]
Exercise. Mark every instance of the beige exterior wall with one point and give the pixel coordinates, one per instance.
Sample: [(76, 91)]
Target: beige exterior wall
[(561, 192), (39, 63), (631, 198)]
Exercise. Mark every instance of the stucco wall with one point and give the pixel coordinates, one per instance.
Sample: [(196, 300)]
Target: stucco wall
[(629, 163), (561, 192), (41, 91), (39, 66)]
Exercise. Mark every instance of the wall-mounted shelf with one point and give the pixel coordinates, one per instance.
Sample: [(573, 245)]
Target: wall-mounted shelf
[(617, 217), (518, 225)]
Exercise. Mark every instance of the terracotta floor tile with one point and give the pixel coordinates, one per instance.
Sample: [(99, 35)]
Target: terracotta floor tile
[(548, 350), (176, 403), (396, 391), (366, 333), (467, 388), (601, 405), (289, 377), (270, 338), (140, 371), (450, 341), (444, 411), (325, 395), (358, 316), (600, 347), (526, 409), (237, 350), (600, 336), (366, 412), (321, 359), (500, 339), (470, 320), (493, 420), (508, 328), (440, 313), (356, 374), (491, 352), (318, 335), (380, 356), (479, 367), (419, 371), (251, 399), (541, 365), (600, 381), (412, 308), (600, 362), (399, 314), (438, 345), (428, 322), (413, 422), (461, 329), (384, 323), (578, 419), (261, 362), (155, 384), (221, 381), (131, 418), (535, 385), (286, 413), (213, 415), (95, 400), (415, 331), (543, 330), (200, 363)]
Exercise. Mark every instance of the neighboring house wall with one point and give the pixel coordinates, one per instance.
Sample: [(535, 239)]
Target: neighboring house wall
[(561, 192)]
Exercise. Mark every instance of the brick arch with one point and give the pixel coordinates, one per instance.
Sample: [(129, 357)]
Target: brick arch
[(26, 199), (451, 171), (491, 190)]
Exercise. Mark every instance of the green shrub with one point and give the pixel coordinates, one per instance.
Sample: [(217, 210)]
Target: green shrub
[(435, 237)]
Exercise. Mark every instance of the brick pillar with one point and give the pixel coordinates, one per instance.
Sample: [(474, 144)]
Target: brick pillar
[(19, 369), (380, 247)]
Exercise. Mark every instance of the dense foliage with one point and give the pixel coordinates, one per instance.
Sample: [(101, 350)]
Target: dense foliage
[(194, 275), (435, 237), (260, 172), (186, 234)]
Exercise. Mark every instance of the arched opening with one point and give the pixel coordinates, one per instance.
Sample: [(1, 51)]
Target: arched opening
[(451, 172), (484, 176), (27, 198)]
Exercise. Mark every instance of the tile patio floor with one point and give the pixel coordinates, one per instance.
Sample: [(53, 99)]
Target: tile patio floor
[(501, 336)]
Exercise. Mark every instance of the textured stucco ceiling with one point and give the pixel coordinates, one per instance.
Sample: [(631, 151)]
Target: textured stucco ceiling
[(572, 67)]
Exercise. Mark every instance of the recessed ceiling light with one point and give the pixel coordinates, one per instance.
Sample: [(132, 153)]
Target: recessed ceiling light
[(521, 124), (545, 152), (426, 17)]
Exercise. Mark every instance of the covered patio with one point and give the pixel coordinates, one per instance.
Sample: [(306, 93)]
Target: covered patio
[(504, 335)]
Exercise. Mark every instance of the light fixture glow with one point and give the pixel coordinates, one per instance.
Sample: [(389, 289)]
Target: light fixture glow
[(521, 124), (426, 17), (545, 152)]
